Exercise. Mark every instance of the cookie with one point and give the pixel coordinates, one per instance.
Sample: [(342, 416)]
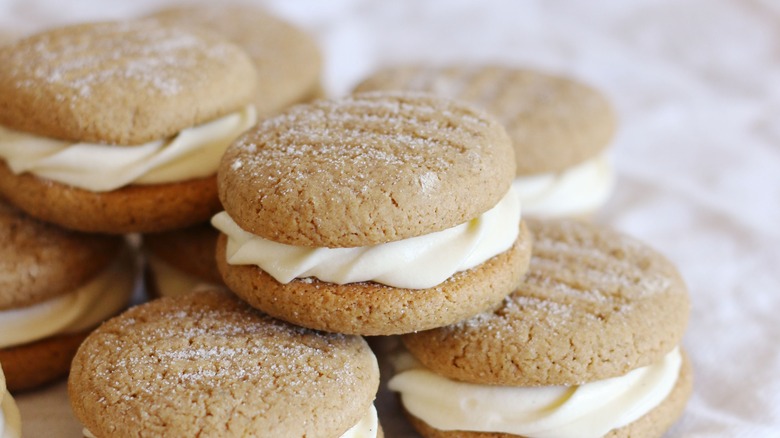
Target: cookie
[(118, 127), (287, 60), (588, 345), (56, 286), (559, 126), (10, 420), (179, 261), (207, 364), (375, 214)]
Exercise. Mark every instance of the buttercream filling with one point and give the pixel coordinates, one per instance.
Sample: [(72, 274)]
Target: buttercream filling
[(77, 311), (583, 411), (10, 420), (172, 282), (416, 263), (192, 153), (578, 190), (366, 428)]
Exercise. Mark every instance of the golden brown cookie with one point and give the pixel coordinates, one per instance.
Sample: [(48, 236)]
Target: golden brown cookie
[(121, 89), (178, 259), (40, 261), (287, 60), (37, 363), (207, 364), (365, 169), (554, 122), (369, 308), (57, 285), (376, 214), (595, 306), (131, 209), (121, 83)]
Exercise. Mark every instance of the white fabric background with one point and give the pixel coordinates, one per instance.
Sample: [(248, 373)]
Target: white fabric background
[(697, 88)]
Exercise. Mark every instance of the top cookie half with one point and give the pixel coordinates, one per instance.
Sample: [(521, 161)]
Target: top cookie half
[(554, 122), (594, 304), (367, 169), (123, 83)]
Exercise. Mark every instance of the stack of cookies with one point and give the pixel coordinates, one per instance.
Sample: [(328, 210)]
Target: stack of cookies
[(587, 346), (105, 129), (399, 211), (375, 214)]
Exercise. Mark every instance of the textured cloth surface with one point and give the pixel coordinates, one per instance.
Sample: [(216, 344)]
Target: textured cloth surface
[(697, 151)]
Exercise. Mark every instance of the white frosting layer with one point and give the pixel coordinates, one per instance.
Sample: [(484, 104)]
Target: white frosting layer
[(587, 410), (171, 282), (415, 263), (579, 190), (193, 153), (10, 420), (367, 427), (80, 310)]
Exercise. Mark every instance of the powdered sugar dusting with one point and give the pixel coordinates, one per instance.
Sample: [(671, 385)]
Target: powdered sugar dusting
[(579, 271), (366, 133), (597, 265), (220, 346), (77, 61)]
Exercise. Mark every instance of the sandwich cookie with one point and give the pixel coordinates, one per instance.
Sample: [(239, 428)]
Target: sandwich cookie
[(118, 127), (375, 214), (180, 261), (207, 364), (56, 286), (560, 129), (10, 420), (287, 60), (587, 346)]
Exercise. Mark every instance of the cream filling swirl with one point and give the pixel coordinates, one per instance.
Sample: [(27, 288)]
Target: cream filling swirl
[(77, 311), (416, 263), (10, 420), (588, 410), (193, 153), (578, 190)]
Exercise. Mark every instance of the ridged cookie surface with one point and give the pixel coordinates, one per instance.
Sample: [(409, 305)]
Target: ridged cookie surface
[(206, 364), (594, 304), (366, 169), (123, 83), (554, 122)]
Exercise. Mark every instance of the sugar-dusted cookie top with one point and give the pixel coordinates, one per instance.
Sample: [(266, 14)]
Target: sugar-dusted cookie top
[(554, 122), (287, 60), (123, 83), (594, 304), (206, 364), (39, 261), (366, 169)]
